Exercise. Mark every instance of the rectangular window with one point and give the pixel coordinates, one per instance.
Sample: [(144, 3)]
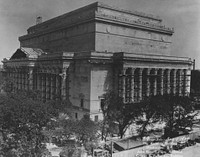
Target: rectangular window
[(82, 102), (96, 118), (102, 103)]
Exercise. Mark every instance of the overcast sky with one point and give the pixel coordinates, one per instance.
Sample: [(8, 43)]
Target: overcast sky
[(184, 15)]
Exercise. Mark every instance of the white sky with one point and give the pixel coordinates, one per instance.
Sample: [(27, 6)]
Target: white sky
[(184, 15)]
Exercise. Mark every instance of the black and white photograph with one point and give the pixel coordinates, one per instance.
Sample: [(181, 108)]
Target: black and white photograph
[(107, 78)]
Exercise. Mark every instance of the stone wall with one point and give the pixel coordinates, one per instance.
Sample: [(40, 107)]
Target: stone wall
[(114, 38), (76, 38)]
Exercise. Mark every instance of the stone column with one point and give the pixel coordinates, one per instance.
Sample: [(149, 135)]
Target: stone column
[(140, 84), (188, 79), (63, 84), (47, 86), (58, 86), (43, 86), (40, 84), (14, 84), (67, 83), (155, 83), (174, 81), (20, 79), (161, 82), (25, 80), (180, 83), (38, 81), (148, 83), (132, 84), (52, 87), (124, 84), (168, 81), (30, 78), (16, 76)]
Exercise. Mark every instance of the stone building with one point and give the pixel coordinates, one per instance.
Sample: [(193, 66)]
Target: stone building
[(80, 55)]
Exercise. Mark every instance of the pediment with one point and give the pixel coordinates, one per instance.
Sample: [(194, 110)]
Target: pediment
[(26, 53), (19, 54)]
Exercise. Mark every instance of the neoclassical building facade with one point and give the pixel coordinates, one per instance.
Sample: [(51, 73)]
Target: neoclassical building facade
[(82, 54)]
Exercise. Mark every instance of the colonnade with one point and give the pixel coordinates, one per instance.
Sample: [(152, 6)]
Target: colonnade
[(50, 84), (134, 84), (21, 78)]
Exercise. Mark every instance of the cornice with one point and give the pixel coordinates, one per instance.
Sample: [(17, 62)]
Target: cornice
[(121, 57), (141, 14), (133, 23)]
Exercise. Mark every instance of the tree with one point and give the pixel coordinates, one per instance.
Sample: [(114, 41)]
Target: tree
[(176, 111), (179, 114), (86, 130), (22, 121), (151, 112), (115, 111)]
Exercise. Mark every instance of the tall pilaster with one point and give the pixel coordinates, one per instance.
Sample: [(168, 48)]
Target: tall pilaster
[(155, 82), (168, 81), (132, 84), (40, 88), (52, 87), (43, 86), (174, 81), (140, 84), (47, 86), (148, 83), (30, 78), (17, 79), (188, 79), (26, 81), (184, 82), (180, 86), (124, 84), (20, 79), (58, 86), (161, 82), (38, 81), (63, 77)]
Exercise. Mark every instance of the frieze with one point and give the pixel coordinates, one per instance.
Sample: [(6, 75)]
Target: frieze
[(138, 22), (129, 11)]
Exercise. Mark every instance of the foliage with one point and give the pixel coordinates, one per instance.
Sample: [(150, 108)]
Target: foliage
[(177, 112), (151, 110), (86, 130), (115, 111), (72, 152), (7, 84), (22, 121)]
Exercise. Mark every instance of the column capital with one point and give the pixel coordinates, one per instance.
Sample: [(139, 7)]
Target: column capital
[(140, 71), (133, 70)]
